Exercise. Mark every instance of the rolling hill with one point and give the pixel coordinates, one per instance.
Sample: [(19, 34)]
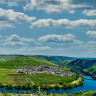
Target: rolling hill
[(22, 61), (11, 78), (86, 66)]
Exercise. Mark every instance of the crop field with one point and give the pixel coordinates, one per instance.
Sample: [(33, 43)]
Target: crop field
[(2, 60), (8, 77), (50, 79)]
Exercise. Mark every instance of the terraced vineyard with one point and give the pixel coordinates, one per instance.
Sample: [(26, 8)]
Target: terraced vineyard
[(10, 78)]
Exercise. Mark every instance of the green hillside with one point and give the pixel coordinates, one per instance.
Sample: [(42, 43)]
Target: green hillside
[(91, 70), (8, 77), (22, 61), (86, 66), (83, 63), (2, 60), (11, 78)]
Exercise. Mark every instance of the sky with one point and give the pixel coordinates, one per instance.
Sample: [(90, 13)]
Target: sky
[(48, 27)]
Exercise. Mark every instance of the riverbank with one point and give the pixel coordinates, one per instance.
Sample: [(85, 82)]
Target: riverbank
[(10, 79), (83, 72), (62, 85), (31, 72), (88, 74), (87, 67), (88, 84)]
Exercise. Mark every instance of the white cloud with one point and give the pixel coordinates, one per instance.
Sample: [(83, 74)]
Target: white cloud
[(4, 24), (8, 17), (68, 39), (32, 49), (16, 40), (64, 23), (88, 49), (15, 43), (26, 50), (17, 17), (13, 2), (91, 33), (91, 43), (51, 6), (89, 12)]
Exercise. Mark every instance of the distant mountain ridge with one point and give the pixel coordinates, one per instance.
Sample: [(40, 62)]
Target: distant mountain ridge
[(83, 63), (54, 59)]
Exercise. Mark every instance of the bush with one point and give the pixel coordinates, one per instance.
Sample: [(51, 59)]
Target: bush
[(23, 92), (28, 92), (56, 87)]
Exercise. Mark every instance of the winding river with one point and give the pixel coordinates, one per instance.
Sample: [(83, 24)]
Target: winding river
[(89, 85)]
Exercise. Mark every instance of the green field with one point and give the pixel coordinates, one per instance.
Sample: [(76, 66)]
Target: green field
[(2, 60), (8, 77), (51, 79)]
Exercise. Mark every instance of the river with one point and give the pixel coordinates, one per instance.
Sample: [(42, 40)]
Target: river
[(89, 85)]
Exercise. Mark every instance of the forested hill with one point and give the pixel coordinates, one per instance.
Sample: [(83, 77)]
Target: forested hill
[(49, 58), (87, 66), (56, 58), (83, 63)]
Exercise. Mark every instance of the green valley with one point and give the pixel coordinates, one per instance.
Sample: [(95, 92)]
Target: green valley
[(11, 79)]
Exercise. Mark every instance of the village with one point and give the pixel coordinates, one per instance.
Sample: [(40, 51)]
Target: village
[(44, 69)]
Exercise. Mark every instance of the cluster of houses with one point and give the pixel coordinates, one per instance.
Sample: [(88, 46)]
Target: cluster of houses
[(44, 69)]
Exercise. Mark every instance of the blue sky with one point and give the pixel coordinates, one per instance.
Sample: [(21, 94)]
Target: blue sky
[(48, 27)]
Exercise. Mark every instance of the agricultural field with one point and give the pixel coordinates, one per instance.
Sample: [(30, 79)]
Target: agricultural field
[(8, 77), (2, 60), (11, 78)]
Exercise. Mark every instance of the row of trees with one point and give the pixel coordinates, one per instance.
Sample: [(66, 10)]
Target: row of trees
[(43, 86)]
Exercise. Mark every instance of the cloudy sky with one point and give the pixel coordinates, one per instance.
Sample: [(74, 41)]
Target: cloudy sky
[(48, 27)]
